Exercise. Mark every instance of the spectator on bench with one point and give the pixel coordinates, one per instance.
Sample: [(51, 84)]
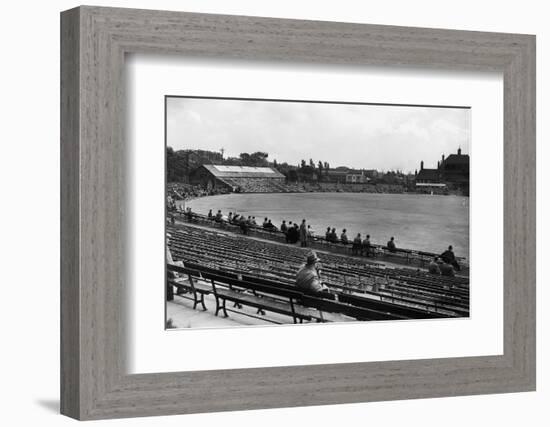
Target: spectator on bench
[(356, 247), (308, 279), (391, 245), (269, 226), (366, 246), (433, 266), (333, 236), (327, 234), (283, 226), (189, 214), (210, 214), (344, 237), (243, 225), (448, 257), (446, 269), (293, 234)]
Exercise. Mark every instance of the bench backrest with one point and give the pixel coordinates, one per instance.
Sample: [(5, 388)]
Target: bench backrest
[(358, 313), (383, 306), (272, 288)]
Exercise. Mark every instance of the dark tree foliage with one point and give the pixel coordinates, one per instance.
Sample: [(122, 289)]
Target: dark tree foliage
[(180, 165)]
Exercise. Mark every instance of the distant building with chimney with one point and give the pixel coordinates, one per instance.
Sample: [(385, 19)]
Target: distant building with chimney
[(452, 173)]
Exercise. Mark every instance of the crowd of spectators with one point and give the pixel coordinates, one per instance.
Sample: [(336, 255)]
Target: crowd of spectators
[(445, 264), (177, 192)]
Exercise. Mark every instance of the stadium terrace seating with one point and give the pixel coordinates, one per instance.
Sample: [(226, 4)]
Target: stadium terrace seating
[(256, 185), (356, 280), (400, 255)]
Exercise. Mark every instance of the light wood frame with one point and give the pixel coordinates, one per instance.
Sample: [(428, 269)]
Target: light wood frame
[(94, 42)]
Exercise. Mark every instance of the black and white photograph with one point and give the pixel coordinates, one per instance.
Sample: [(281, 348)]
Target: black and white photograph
[(299, 212)]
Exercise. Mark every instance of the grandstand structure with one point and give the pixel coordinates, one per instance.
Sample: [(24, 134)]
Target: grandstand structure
[(261, 274), (244, 179)]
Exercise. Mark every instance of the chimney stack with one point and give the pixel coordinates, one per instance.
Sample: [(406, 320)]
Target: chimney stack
[(459, 151), (422, 165)]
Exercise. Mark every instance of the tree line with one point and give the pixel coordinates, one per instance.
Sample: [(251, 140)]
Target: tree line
[(182, 164)]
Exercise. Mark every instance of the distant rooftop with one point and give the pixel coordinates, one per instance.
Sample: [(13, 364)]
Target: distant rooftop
[(428, 175), (222, 171)]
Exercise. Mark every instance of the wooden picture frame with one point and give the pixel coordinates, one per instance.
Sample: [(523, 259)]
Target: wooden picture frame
[(94, 41)]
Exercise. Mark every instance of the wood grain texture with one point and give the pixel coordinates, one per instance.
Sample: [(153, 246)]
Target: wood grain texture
[(70, 292), (94, 238)]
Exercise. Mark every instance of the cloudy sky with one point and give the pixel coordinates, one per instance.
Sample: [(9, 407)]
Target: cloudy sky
[(359, 136)]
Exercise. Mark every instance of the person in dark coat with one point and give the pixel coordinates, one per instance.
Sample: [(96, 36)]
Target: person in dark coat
[(391, 245), (293, 234), (333, 236), (366, 246), (269, 226), (446, 269), (344, 237), (356, 247), (448, 257), (308, 279), (243, 224)]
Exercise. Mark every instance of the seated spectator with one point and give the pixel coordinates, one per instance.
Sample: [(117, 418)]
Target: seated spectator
[(269, 226), (433, 267), (366, 247), (243, 224), (308, 279), (327, 234), (344, 237), (219, 216), (356, 247), (283, 226), (264, 224), (254, 221), (210, 214), (293, 234), (448, 257), (391, 245), (446, 269), (333, 236), (189, 214), (230, 217)]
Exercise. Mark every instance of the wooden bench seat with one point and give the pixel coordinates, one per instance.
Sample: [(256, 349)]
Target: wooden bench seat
[(262, 303), (197, 289)]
